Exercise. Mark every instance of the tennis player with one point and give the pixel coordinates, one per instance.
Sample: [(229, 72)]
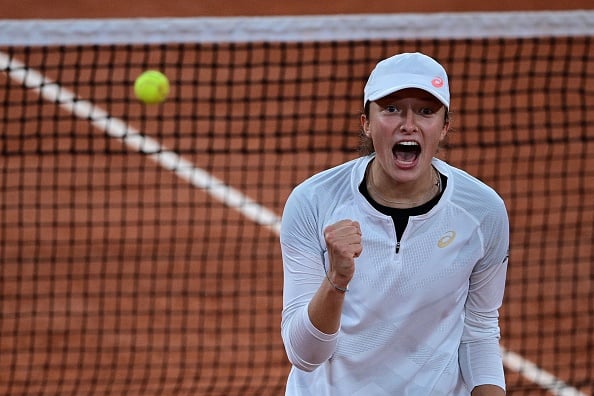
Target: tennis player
[(395, 262)]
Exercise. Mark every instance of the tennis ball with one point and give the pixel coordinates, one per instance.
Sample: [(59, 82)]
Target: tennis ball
[(151, 87)]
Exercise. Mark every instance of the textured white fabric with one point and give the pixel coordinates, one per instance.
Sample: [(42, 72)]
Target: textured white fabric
[(407, 314)]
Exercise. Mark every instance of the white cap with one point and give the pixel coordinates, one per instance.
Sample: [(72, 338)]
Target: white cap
[(407, 70)]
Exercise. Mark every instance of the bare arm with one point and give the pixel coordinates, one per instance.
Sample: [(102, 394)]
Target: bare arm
[(344, 245)]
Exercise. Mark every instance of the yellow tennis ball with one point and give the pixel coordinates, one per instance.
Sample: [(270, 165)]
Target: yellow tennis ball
[(151, 87)]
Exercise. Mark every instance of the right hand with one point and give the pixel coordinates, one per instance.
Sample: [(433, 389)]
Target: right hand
[(343, 240)]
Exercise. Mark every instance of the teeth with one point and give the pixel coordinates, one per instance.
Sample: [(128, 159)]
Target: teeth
[(406, 151)]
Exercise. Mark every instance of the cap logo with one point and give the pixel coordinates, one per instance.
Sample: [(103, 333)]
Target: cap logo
[(437, 82)]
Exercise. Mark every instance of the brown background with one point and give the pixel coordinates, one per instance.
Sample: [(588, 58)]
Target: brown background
[(187, 8), (24, 9)]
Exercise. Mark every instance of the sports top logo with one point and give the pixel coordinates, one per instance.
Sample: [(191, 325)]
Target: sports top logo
[(447, 239)]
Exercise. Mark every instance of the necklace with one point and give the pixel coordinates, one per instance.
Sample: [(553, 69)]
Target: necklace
[(433, 191)]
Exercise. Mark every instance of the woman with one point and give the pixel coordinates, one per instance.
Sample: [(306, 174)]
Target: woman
[(395, 262)]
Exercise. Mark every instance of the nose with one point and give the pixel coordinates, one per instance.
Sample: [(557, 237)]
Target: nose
[(408, 121)]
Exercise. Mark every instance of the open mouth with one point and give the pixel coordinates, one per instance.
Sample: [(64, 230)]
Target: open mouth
[(406, 152)]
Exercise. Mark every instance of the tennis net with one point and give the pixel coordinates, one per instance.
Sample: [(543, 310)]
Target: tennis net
[(139, 244)]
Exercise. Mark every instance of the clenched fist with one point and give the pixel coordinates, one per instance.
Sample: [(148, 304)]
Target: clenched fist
[(343, 240)]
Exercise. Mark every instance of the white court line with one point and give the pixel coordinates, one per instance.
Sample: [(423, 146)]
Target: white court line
[(117, 128), (536, 375), (198, 177)]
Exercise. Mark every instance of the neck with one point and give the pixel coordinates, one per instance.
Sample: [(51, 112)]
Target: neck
[(429, 190)]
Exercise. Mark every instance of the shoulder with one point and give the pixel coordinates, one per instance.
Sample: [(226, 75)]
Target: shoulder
[(478, 203), (312, 201), (474, 196)]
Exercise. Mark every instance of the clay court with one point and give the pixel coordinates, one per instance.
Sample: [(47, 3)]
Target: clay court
[(122, 274)]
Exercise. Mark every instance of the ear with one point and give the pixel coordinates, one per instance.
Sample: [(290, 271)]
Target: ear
[(365, 125), (444, 131)]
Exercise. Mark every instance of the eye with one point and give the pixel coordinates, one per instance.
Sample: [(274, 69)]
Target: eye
[(391, 109), (426, 111)]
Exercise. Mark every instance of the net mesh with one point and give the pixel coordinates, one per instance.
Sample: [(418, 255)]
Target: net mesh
[(138, 244)]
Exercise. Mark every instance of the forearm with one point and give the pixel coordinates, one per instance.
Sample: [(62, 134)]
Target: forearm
[(307, 347), (310, 335), (343, 240), (325, 308), (310, 332)]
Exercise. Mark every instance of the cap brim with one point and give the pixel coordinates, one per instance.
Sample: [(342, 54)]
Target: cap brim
[(395, 88)]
